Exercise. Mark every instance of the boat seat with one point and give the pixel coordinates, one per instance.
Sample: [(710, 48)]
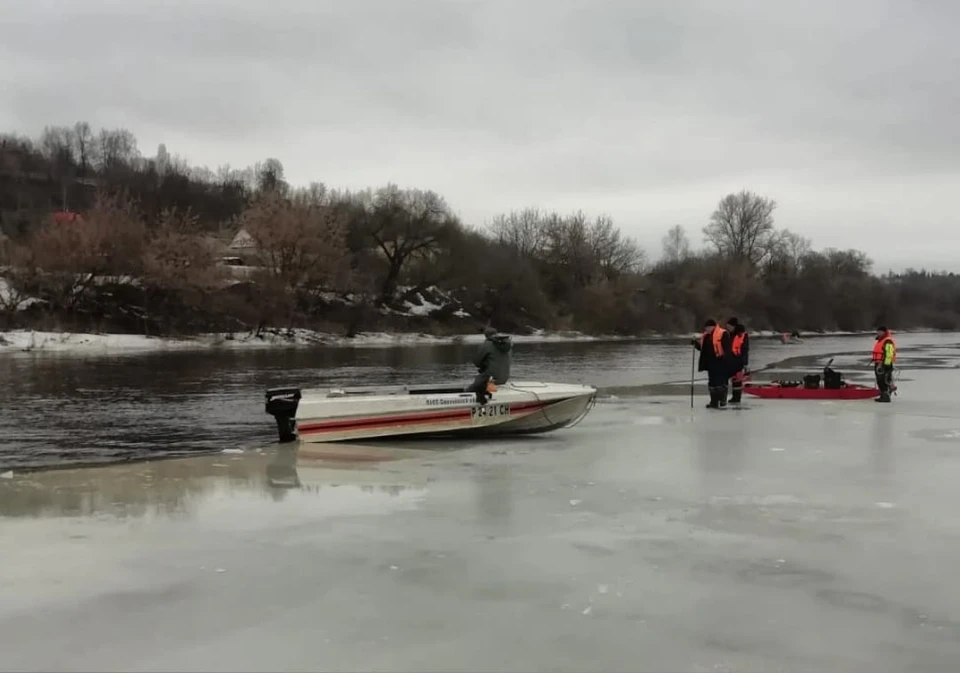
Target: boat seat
[(448, 389)]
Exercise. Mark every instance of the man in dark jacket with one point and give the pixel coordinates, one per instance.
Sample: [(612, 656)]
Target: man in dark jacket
[(714, 347), (492, 361), (739, 358)]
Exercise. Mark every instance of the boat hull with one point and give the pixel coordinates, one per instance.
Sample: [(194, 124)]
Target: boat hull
[(773, 392), (371, 413)]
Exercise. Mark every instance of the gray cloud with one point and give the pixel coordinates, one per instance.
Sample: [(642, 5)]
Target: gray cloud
[(647, 111)]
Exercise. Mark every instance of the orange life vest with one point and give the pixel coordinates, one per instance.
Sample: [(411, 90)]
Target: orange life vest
[(737, 345), (717, 340), (878, 348)]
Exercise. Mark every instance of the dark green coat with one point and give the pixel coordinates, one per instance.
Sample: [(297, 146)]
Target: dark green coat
[(494, 356)]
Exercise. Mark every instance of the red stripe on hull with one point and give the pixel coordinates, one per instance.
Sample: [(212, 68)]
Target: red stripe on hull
[(415, 418)]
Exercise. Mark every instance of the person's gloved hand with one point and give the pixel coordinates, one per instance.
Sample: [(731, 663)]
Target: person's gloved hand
[(693, 342)]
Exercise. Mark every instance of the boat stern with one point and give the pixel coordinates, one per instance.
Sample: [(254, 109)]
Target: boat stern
[(282, 404)]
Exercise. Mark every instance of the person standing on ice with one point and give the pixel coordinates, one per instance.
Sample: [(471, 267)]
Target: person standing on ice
[(715, 349), (884, 355), (739, 358), (493, 363)]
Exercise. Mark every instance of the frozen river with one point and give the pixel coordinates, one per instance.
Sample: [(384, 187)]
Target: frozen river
[(789, 536)]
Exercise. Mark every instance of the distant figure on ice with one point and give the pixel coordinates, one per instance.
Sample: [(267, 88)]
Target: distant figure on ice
[(493, 363), (884, 355), (791, 337), (739, 358), (714, 346)]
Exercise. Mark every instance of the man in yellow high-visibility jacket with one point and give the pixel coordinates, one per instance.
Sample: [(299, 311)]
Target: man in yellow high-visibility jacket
[(883, 357)]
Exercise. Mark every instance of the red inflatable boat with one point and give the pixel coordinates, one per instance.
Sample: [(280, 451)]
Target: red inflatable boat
[(774, 391), (828, 386)]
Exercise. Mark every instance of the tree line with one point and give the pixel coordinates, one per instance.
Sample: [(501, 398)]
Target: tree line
[(143, 255)]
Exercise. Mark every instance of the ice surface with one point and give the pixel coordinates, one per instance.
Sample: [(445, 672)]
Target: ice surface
[(699, 548)]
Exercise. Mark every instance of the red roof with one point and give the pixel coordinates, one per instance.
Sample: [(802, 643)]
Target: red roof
[(63, 216)]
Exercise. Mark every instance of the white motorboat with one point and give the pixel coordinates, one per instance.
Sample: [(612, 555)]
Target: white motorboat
[(341, 414)]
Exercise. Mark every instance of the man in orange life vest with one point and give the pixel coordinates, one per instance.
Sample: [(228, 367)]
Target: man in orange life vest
[(884, 355), (714, 347), (739, 358)]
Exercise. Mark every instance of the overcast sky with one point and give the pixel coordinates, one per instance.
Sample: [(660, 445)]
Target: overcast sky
[(847, 112)]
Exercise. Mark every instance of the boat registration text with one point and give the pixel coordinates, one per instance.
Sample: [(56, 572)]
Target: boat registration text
[(461, 400), (489, 410)]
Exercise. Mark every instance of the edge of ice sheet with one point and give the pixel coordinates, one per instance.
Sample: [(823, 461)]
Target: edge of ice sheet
[(68, 342)]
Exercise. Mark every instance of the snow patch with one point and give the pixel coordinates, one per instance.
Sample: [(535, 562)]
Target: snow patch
[(423, 307), (9, 298)]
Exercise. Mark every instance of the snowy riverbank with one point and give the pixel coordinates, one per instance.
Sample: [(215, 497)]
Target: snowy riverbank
[(64, 342)]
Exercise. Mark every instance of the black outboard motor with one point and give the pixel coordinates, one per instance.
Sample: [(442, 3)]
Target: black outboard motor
[(282, 404), (832, 379)]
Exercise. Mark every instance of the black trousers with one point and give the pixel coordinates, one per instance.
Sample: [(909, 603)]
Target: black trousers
[(479, 387), (884, 375), (736, 381), (717, 377)]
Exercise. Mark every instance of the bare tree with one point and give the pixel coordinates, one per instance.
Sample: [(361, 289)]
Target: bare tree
[(315, 194), (16, 271), (786, 251), (522, 230), (84, 143), (175, 259), (57, 147), (614, 254), (405, 225), (73, 256), (741, 227), (116, 149), (269, 176), (847, 263), (676, 245), (57, 144), (163, 160), (301, 244)]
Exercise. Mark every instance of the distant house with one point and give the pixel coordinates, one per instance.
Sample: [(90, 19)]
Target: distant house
[(243, 242), (241, 251)]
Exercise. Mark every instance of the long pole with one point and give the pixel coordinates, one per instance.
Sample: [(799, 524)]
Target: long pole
[(693, 368)]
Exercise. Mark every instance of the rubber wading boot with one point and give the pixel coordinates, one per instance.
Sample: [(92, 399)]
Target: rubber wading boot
[(736, 396), (714, 399), (722, 395), (884, 397)]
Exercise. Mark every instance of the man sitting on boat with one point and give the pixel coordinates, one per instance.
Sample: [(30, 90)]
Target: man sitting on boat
[(493, 363)]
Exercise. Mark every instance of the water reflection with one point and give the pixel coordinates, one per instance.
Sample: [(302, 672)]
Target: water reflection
[(721, 446), (495, 496), (178, 488), (882, 447)]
